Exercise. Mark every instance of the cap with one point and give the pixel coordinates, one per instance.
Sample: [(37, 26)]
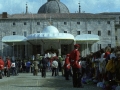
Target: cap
[(76, 45), (68, 55)]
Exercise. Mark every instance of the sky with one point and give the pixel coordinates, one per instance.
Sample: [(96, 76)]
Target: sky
[(88, 6)]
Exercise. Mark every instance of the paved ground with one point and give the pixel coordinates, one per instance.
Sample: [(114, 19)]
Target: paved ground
[(26, 81)]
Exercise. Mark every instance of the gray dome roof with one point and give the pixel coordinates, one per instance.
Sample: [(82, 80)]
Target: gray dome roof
[(53, 6), (50, 29)]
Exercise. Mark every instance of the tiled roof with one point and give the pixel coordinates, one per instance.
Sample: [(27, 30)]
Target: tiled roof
[(56, 16)]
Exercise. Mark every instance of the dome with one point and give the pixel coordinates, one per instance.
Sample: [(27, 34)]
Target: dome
[(53, 6), (50, 29)]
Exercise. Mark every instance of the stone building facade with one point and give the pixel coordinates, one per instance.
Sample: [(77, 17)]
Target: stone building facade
[(106, 26)]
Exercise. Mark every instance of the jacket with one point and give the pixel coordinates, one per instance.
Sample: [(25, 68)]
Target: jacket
[(54, 64), (8, 64), (74, 58), (1, 64), (67, 63)]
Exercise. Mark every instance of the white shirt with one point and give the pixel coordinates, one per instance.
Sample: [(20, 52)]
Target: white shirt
[(13, 64), (112, 55), (54, 64)]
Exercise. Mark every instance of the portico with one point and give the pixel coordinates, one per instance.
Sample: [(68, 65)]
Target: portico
[(48, 41)]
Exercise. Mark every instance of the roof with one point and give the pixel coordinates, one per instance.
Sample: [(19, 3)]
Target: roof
[(14, 39), (84, 38), (37, 36), (53, 6), (50, 29), (56, 16), (50, 34)]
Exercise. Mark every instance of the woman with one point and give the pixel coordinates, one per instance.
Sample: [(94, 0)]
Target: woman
[(54, 67)]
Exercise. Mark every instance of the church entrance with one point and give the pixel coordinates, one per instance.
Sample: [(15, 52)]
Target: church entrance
[(52, 51), (36, 49)]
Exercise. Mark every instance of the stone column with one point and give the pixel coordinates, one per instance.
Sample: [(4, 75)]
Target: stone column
[(42, 48), (59, 48)]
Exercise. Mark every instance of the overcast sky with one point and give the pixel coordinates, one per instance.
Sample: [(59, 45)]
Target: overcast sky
[(89, 6)]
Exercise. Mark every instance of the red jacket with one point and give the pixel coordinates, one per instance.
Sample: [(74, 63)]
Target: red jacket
[(106, 54), (67, 62), (8, 64), (74, 58), (1, 64)]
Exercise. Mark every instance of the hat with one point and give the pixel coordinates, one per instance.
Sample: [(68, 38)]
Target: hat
[(76, 45), (68, 55)]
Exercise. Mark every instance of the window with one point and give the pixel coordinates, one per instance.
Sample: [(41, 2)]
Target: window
[(13, 23), (78, 32), (99, 33), (109, 33), (14, 33), (89, 32), (109, 45), (25, 23), (38, 23), (99, 46), (65, 23), (108, 22), (78, 23), (116, 29), (38, 31), (116, 38), (99, 22), (25, 33), (65, 31)]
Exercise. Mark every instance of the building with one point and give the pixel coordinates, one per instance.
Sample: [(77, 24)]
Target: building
[(29, 24)]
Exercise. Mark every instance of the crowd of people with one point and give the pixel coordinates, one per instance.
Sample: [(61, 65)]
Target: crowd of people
[(14, 67), (101, 68), (104, 67)]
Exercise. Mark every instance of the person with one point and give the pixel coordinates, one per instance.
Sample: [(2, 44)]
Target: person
[(107, 54), (44, 66), (8, 66), (67, 67), (1, 66), (35, 64), (63, 69), (74, 60), (54, 67), (13, 68), (28, 63)]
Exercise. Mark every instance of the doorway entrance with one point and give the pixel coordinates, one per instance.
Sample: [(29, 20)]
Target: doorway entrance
[(36, 49)]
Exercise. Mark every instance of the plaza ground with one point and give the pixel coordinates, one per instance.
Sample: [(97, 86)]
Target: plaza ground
[(26, 81)]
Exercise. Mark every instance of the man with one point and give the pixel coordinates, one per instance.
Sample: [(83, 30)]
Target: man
[(67, 67), (28, 63), (13, 68), (35, 64), (8, 66), (74, 60), (1, 67), (44, 62)]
